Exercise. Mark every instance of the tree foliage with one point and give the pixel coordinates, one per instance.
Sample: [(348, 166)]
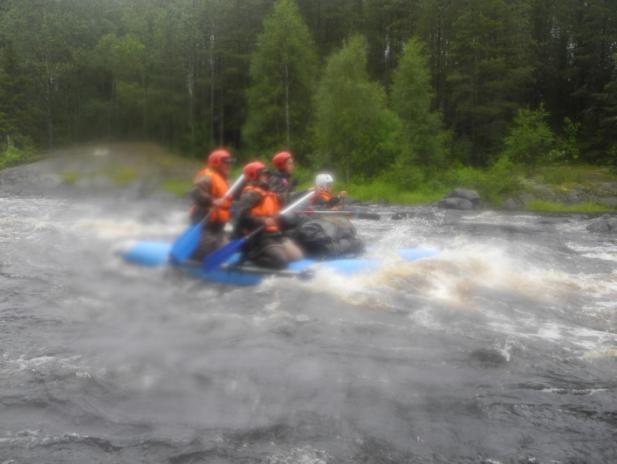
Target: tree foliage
[(355, 131), (283, 69), (530, 141), (411, 100), (194, 74)]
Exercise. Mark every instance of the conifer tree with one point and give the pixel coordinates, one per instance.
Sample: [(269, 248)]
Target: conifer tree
[(411, 100), (355, 132), (283, 69), (488, 73), (14, 120)]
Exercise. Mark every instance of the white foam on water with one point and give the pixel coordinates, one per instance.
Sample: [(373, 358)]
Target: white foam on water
[(356, 290), (551, 332), (606, 251), (575, 391), (112, 229), (46, 364), (303, 455)]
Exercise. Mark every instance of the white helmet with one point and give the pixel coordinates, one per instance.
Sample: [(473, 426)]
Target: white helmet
[(323, 179)]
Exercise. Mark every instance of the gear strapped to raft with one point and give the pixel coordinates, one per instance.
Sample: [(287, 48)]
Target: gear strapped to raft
[(327, 237)]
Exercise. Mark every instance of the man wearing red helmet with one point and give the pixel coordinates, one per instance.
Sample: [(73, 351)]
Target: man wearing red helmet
[(259, 206), (281, 181), (210, 186)]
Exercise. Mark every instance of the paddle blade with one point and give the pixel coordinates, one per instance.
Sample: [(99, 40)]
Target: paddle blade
[(214, 260), (186, 244)]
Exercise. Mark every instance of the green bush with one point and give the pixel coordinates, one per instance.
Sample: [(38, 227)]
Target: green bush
[(568, 146), (493, 184), (382, 189), (542, 206), (531, 141), (11, 156)]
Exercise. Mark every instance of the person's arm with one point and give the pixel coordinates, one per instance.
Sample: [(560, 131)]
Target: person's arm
[(244, 221), (334, 201), (201, 193)]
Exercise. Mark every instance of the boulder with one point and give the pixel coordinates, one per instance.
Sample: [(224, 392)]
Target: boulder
[(574, 196), (460, 198), (467, 194), (456, 203), (398, 216), (512, 204), (605, 224), (610, 202)]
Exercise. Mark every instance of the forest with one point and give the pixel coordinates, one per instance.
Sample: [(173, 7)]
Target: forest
[(363, 87)]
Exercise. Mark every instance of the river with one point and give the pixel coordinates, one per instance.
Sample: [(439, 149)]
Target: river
[(503, 349)]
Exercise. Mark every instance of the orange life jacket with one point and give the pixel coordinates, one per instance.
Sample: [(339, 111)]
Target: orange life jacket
[(322, 195), (218, 189), (268, 206)]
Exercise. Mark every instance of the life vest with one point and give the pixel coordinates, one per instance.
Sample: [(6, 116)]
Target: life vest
[(218, 189), (322, 196), (268, 206)]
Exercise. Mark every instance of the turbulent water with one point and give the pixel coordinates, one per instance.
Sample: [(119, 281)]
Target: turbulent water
[(503, 349)]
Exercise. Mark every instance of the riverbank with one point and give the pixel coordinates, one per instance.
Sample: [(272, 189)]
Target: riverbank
[(561, 188), (558, 188)]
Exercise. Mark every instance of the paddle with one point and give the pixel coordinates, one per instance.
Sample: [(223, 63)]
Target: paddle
[(185, 245), (355, 214), (218, 257)]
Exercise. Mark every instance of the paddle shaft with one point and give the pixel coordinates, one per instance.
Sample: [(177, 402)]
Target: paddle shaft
[(185, 245), (218, 257), (290, 208)]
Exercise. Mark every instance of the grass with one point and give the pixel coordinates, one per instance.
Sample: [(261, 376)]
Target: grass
[(12, 156), (177, 187), (543, 206), (378, 190), (571, 175), (70, 177), (123, 176)]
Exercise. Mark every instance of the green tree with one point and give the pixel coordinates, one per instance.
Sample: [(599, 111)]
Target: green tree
[(607, 102), (592, 45), (14, 118), (435, 18), (47, 54), (411, 100), (283, 69), (488, 72), (388, 24), (530, 140), (355, 132)]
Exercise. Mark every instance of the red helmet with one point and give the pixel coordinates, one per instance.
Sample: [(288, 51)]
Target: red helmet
[(218, 157), (280, 159), (252, 170)]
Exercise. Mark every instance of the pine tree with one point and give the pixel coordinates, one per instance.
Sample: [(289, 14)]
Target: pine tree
[(411, 100), (607, 116), (283, 69), (593, 41), (355, 132), (15, 120), (488, 73)]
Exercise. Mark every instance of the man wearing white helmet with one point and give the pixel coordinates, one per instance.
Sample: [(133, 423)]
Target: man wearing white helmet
[(323, 192)]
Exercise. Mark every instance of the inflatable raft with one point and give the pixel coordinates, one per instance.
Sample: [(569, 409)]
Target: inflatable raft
[(154, 254)]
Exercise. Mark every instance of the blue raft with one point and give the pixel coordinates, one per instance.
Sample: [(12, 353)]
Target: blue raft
[(154, 254)]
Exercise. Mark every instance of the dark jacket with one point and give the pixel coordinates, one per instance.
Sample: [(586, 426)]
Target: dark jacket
[(282, 184)]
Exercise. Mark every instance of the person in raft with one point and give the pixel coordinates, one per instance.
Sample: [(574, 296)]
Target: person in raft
[(257, 207), (281, 181), (209, 189), (324, 198)]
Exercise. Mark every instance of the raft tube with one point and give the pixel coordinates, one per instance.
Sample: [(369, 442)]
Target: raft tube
[(155, 254)]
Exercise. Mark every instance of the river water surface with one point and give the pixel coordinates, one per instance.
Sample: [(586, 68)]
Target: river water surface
[(503, 349)]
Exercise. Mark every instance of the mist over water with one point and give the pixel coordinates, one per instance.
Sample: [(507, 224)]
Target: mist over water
[(503, 349)]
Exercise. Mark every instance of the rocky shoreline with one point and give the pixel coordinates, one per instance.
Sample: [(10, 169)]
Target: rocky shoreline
[(603, 193)]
